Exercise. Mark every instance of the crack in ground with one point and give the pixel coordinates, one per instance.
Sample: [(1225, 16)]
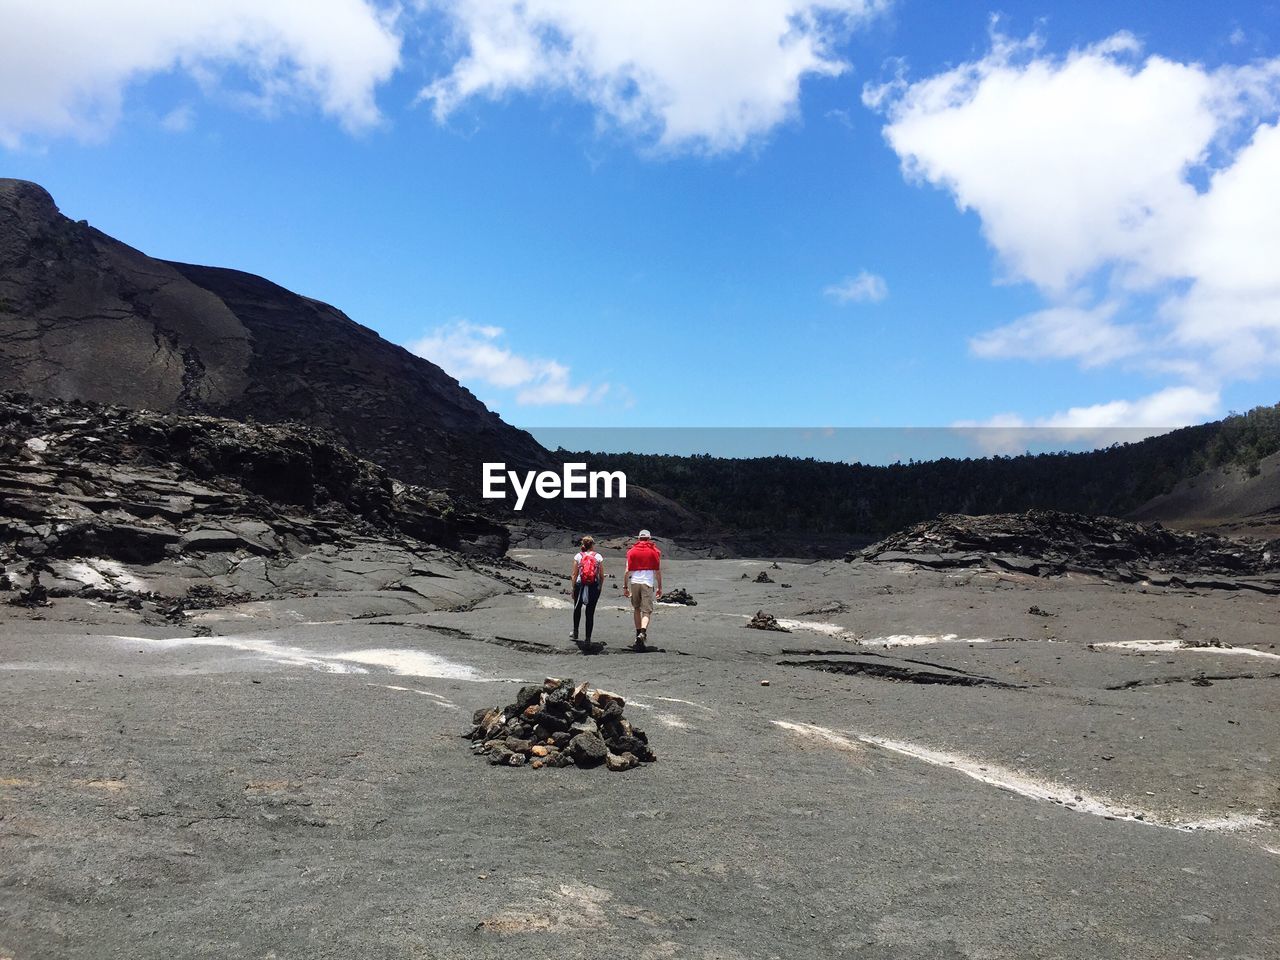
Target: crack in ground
[(1198, 679), (524, 646), (888, 671), (883, 656)]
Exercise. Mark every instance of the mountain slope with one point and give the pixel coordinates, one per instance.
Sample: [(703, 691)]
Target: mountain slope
[(1230, 499), (85, 316)]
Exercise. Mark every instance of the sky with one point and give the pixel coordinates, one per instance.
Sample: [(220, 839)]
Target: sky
[(720, 213)]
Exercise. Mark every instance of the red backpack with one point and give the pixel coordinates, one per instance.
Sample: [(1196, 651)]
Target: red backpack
[(589, 568)]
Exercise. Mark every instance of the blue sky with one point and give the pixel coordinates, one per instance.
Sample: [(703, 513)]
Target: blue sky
[(628, 214)]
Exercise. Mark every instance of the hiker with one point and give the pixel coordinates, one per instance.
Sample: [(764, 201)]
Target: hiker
[(588, 578), (642, 583)]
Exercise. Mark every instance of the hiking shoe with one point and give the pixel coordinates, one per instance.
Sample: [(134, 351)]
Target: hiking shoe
[(574, 638)]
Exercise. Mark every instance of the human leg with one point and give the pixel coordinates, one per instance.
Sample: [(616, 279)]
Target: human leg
[(592, 598), (643, 607)]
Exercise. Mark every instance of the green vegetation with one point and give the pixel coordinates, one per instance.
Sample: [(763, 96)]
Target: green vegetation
[(787, 494)]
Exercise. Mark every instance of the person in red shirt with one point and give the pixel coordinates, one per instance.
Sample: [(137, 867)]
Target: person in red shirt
[(642, 583)]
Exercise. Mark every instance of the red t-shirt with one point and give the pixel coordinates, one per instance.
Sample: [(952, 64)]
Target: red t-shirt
[(644, 556)]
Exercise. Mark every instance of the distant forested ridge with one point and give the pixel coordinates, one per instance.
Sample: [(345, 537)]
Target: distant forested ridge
[(790, 494)]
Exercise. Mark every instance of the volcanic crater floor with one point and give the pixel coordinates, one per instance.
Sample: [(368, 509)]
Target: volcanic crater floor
[(951, 764)]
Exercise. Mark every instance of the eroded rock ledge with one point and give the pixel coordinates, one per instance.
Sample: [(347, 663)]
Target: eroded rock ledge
[(1048, 543)]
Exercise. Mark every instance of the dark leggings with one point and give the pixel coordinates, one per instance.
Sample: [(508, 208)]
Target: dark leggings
[(585, 595)]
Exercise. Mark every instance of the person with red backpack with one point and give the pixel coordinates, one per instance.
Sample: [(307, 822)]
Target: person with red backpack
[(642, 583), (588, 580)]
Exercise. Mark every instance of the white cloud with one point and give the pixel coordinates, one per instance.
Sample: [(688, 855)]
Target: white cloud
[(708, 75), (1079, 333), (1171, 407), (1164, 409), (66, 65), (1114, 181), (179, 119), (474, 353), (864, 288)]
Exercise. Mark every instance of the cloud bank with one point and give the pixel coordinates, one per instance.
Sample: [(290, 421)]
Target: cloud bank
[(707, 75), (66, 65)]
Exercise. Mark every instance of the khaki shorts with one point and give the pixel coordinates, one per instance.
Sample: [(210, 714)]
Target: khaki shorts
[(642, 598)]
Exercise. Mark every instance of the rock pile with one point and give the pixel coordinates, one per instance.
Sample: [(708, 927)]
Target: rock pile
[(33, 595), (764, 577), (766, 621), (1048, 542), (560, 724), (679, 595)]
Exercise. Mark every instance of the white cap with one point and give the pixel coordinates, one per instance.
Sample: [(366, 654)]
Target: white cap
[(645, 535)]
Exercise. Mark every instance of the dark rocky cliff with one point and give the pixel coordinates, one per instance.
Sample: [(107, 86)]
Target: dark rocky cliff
[(84, 316)]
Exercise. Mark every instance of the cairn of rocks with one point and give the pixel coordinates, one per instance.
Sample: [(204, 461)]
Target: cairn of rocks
[(34, 595), (766, 621), (560, 724), (679, 595), (764, 578)]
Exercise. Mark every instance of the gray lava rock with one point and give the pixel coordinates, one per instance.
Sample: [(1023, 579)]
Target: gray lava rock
[(619, 762), (211, 541), (587, 750), (500, 756), (528, 697)]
